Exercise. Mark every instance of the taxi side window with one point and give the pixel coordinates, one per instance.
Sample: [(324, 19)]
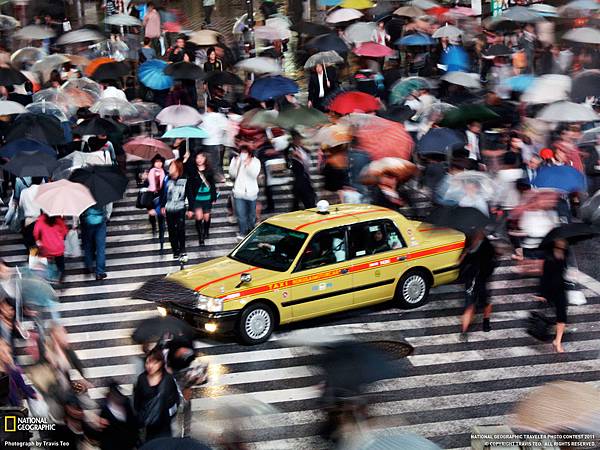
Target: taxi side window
[(326, 247), (374, 237)]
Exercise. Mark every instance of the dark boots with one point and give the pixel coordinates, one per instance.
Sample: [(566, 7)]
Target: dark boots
[(206, 228), (152, 220), (200, 231)]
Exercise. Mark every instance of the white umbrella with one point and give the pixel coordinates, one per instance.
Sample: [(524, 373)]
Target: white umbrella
[(51, 62), (409, 11), (260, 65), (343, 15), (424, 4), (278, 22), (585, 35), (8, 107), (268, 33), (8, 22), (544, 10), (329, 57), (179, 116), (567, 112), (26, 55), (48, 108), (360, 32), (34, 33), (205, 37), (123, 20), (447, 31), (81, 35), (575, 8), (64, 198), (112, 106), (468, 80), (85, 84), (548, 89)]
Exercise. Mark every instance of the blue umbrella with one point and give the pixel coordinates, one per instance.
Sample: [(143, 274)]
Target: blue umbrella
[(272, 87), (562, 178), (151, 74), (329, 2), (519, 83), (456, 59), (185, 133), (416, 39), (440, 141), (25, 145)]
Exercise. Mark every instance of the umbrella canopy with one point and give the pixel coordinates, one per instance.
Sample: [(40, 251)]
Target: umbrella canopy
[(205, 37), (25, 145), (397, 441), (47, 108), (332, 136), (328, 42), (415, 40), (146, 148), (122, 20), (96, 126), (84, 84), (464, 219), (220, 78), (589, 137), (382, 138), (184, 71), (519, 83), (402, 89), (310, 29), (398, 168), (269, 33), (463, 115), (113, 106), (357, 4), (159, 289), (95, 63), (151, 74), (447, 31), (577, 8), (8, 107), (76, 160), (64, 198), (268, 88), (562, 178), (8, 23), (343, 15), (26, 56), (373, 50), (360, 32), (409, 11), (260, 65), (146, 112), (463, 11), (185, 133), (548, 89), (278, 21), (456, 59), (557, 406), (326, 58), (31, 164), (153, 329), (471, 183), (10, 76), (585, 35), (179, 116), (350, 102), (34, 33), (567, 112), (522, 14), (586, 84), (468, 80), (81, 35), (171, 443), (52, 95), (496, 50), (38, 127), (440, 141), (572, 232), (111, 71), (544, 10), (49, 63), (301, 116), (259, 118), (106, 183)]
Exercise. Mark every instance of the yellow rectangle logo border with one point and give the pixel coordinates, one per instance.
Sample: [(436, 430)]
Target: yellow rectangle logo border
[(14, 424)]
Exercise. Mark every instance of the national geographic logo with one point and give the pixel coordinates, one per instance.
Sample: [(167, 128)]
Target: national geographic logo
[(14, 423)]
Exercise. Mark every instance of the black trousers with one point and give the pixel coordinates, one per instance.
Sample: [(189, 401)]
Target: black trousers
[(176, 227), (208, 13)]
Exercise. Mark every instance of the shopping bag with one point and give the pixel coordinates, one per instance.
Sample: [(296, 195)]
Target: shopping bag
[(72, 245)]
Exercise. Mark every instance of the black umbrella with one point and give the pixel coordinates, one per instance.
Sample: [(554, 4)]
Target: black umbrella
[(572, 232), (31, 164), (222, 77), (155, 328), (464, 219), (184, 71), (497, 50), (399, 113), (111, 71), (440, 141), (329, 41), (161, 289), (38, 127), (96, 126), (10, 76), (106, 183), (310, 28), (586, 84)]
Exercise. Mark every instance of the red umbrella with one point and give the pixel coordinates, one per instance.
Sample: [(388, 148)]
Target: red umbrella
[(172, 27), (373, 50), (437, 11), (383, 138), (146, 148), (350, 102)]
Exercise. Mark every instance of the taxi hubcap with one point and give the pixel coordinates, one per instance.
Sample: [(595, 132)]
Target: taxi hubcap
[(258, 323), (414, 289)]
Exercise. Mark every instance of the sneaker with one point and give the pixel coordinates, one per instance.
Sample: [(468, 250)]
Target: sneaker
[(231, 219), (239, 237), (487, 326), (183, 258), (176, 256), (100, 276), (463, 337)]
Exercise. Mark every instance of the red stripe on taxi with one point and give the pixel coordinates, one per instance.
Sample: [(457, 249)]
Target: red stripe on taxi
[(338, 217), (433, 251), (197, 288)]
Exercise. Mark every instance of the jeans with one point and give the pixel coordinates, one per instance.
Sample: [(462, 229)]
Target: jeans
[(94, 246), (176, 226), (245, 211)]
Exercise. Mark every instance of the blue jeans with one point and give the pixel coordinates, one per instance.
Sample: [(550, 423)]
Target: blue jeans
[(94, 246), (245, 210)]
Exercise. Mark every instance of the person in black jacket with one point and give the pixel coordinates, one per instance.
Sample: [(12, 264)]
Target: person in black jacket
[(119, 423), (321, 83), (299, 163), (201, 193)]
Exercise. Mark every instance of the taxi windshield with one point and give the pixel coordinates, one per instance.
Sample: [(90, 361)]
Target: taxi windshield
[(270, 247)]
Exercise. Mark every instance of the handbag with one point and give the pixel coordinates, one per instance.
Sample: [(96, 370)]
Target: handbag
[(145, 199), (539, 326), (72, 246)]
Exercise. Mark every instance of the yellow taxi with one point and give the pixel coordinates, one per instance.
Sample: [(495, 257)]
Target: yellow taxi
[(309, 263)]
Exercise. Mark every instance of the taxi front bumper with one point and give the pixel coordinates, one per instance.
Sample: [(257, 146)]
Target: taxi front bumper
[(211, 322)]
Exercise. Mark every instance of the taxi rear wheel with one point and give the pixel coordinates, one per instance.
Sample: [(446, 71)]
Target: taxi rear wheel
[(412, 289), (256, 324)]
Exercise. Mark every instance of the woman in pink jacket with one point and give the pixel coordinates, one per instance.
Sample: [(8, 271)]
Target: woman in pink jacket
[(49, 234)]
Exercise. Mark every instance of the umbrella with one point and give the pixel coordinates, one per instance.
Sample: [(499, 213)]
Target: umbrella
[(26, 56), (164, 288), (480, 185), (49, 63), (353, 101), (268, 88), (381, 138), (153, 329), (558, 406), (328, 42), (301, 116), (268, 33), (463, 115), (173, 443), (416, 39), (589, 137), (496, 50), (360, 32), (38, 127), (562, 178), (567, 112), (544, 10), (205, 37), (326, 58), (440, 141), (398, 441), (64, 198), (25, 145), (462, 11), (447, 31), (577, 8), (259, 118), (111, 71), (590, 210), (122, 20), (357, 4), (78, 60), (402, 89), (146, 112), (34, 33), (10, 76), (35, 291), (220, 78), (278, 21), (398, 168), (464, 219), (106, 183), (8, 23), (260, 65), (96, 126), (343, 15), (548, 89), (8, 107), (435, 113), (31, 164), (52, 95), (456, 59), (79, 98), (586, 84), (48, 108), (184, 71), (409, 11), (151, 74), (84, 84), (373, 50), (572, 232), (519, 83), (76, 160), (81, 35), (147, 147), (95, 63), (522, 14), (468, 80), (332, 136), (113, 106), (310, 29), (179, 116), (585, 35), (185, 133), (330, 2)]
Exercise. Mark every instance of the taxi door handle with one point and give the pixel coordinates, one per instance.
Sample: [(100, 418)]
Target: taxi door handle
[(401, 258), (344, 271)]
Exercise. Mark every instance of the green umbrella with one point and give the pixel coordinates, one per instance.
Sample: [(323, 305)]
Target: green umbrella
[(461, 116), (307, 117), (403, 88)]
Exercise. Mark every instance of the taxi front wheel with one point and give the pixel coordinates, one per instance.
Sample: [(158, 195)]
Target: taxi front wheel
[(256, 324), (412, 289)]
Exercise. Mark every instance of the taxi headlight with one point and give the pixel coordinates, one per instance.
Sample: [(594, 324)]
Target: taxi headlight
[(209, 304)]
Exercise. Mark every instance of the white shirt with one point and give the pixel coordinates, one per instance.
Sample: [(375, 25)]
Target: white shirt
[(321, 84), (473, 145), (379, 36), (31, 210), (214, 124), (113, 92)]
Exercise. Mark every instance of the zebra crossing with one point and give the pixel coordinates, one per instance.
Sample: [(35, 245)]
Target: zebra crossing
[(446, 386)]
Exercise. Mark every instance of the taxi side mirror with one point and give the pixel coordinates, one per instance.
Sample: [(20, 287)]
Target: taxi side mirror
[(244, 278)]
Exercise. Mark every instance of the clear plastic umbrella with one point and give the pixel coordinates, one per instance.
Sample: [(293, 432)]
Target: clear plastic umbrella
[(179, 116), (471, 184), (49, 63), (48, 108), (81, 35), (435, 112), (27, 56), (54, 96), (86, 84), (268, 33), (8, 107), (329, 57), (34, 33), (76, 160), (260, 65), (360, 32), (146, 112), (123, 20), (112, 106), (447, 31)]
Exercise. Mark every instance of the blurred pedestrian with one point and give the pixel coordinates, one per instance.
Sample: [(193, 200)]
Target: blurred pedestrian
[(93, 240), (209, 6), (152, 27), (18, 390), (49, 234), (299, 162), (244, 170), (321, 83), (119, 430), (153, 180), (213, 63)]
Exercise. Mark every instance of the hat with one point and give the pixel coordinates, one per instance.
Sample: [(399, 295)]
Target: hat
[(400, 113), (546, 153)]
